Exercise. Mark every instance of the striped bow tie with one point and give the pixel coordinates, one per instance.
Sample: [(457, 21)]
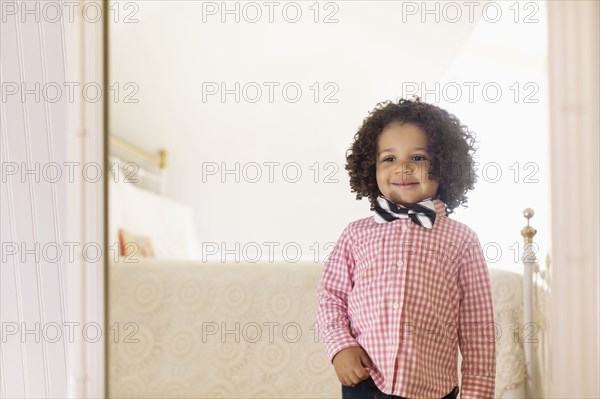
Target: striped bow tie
[(422, 213)]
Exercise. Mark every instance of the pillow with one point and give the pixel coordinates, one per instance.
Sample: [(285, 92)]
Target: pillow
[(167, 224), (136, 246)]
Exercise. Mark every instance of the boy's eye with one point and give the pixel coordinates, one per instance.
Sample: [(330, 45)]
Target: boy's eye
[(413, 158)]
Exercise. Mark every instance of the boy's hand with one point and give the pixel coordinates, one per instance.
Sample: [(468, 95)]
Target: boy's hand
[(350, 365)]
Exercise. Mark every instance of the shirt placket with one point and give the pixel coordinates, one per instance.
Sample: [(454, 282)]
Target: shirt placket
[(396, 299)]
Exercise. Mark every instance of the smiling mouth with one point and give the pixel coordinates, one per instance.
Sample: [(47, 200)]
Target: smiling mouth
[(403, 184)]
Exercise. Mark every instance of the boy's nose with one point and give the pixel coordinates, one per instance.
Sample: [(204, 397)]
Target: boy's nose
[(406, 168)]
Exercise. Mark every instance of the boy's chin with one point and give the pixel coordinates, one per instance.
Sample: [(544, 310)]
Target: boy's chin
[(407, 202), (403, 202)]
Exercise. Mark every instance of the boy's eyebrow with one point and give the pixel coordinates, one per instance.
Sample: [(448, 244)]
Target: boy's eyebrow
[(391, 150)]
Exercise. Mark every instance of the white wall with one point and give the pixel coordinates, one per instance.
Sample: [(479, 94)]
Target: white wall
[(33, 211), (575, 301), (371, 54), (170, 53), (51, 303)]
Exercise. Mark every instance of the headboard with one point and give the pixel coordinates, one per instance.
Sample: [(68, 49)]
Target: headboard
[(141, 215), (130, 163)]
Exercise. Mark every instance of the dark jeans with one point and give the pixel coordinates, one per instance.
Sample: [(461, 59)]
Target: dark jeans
[(368, 390)]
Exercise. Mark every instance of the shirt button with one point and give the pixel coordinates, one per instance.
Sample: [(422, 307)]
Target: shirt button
[(396, 305), (404, 228), (400, 263)]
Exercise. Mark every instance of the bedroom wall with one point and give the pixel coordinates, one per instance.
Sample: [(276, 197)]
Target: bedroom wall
[(575, 301), (32, 287), (51, 203), (375, 51)]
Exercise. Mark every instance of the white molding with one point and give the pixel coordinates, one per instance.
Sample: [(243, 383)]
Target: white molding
[(85, 278), (574, 308)]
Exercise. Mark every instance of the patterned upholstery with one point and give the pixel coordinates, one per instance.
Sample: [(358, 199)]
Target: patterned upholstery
[(210, 330)]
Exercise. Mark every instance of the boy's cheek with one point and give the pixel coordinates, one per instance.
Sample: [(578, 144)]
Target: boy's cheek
[(432, 173), (432, 176)]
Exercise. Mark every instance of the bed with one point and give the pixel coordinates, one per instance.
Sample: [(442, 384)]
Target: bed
[(185, 327)]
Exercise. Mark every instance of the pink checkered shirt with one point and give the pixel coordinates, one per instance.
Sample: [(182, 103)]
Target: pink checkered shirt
[(411, 297)]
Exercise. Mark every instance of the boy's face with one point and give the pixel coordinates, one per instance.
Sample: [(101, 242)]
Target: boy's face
[(402, 164)]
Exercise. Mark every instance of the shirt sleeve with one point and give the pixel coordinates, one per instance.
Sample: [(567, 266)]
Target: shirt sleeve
[(476, 332), (332, 293)]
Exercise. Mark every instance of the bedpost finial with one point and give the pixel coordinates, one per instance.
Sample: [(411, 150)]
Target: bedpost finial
[(163, 158), (528, 232)]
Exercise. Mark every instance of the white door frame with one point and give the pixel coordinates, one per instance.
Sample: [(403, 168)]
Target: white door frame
[(574, 356), (85, 64)]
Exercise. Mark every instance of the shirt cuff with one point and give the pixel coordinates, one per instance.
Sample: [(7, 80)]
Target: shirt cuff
[(477, 387), (338, 342)]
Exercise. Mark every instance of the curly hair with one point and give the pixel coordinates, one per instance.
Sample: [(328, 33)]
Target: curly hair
[(450, 144)]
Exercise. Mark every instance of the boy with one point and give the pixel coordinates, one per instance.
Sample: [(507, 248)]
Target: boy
[(403, 290)]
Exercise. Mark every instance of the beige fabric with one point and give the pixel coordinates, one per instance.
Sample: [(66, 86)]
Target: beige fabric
[(243, 330)]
